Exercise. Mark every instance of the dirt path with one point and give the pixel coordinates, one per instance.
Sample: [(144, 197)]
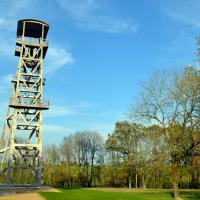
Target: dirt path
[(32, 195), (24, 196)]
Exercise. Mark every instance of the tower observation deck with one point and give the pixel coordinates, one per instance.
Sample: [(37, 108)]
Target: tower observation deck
[(21, 139)]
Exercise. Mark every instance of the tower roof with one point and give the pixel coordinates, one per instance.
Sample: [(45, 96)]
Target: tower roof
[(32, 28)]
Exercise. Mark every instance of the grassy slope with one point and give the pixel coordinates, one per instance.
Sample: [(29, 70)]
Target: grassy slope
[(81, 194)]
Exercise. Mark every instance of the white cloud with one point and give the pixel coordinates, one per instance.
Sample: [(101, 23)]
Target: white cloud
[(52, 128), (84, 104), (7, 24), (13, 8), (109, 24), (94, 15), (58, 111), (5, 84), (54, 133), (57, 58), (9, 13), (185, 11), (5, 91), (6, 47), (102, 127), (79, 8)]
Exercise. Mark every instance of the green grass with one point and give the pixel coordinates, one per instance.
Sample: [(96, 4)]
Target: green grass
[(84, 194), (191, 195)]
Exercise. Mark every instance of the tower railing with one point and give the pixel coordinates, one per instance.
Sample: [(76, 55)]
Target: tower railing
[(30, 103), (33, 41)]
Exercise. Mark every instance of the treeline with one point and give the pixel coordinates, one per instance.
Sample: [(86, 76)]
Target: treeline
[(159, 152), (132, 156), (157, 147), (76, 162)]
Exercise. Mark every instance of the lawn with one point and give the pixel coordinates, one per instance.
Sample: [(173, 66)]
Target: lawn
[(84, 194)]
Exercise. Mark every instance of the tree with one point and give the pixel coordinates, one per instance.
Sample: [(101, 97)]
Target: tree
[(172, 101), (67, 150), (52, 154), (155, 155), (123, 144), (96, 152), (85, 149)]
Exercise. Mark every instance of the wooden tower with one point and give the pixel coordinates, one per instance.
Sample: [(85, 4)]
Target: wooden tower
[(21, 140)]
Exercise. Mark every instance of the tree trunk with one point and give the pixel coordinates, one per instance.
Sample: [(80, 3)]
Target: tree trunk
[(174, 179), (143, 181), (91, 174), (136, 179), (129, 181)]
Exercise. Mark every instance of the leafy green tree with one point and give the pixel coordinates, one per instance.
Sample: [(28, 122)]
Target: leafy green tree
[(123, 144)]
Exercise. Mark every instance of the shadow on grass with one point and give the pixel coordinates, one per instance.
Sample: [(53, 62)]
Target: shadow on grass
[(190, 195)]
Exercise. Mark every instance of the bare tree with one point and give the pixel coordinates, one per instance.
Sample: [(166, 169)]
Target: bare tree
[(86, 149), (51, 154), (68, 150)]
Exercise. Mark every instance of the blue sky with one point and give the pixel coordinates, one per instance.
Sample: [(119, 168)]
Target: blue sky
[(99, 51)]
